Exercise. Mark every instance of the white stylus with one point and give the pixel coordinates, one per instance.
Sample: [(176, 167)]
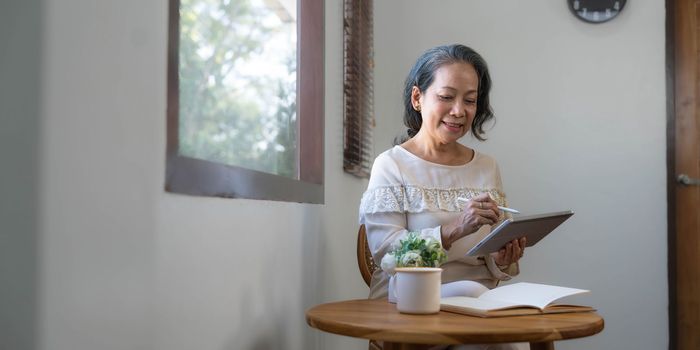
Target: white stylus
[(510, 210)]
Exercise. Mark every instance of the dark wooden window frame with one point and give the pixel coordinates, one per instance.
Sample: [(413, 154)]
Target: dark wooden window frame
[(200, 177)]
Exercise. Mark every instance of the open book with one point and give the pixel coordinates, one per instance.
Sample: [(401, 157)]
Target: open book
[(514, 299)]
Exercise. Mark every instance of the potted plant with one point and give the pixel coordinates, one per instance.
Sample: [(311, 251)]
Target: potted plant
[(415, 260)]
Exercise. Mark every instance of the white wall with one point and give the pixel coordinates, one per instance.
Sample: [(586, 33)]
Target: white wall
[(120, 264), (580, 125), (125, 265)]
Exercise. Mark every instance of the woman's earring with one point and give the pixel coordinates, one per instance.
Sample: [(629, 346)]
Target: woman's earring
[(417, 108)]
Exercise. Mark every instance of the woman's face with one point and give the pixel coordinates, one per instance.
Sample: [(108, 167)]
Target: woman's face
[(448, 105)]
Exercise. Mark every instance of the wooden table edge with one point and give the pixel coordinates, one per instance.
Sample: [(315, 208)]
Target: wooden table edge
[(367, 332)]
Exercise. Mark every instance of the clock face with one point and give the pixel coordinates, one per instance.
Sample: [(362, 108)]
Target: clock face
[(596, 11)]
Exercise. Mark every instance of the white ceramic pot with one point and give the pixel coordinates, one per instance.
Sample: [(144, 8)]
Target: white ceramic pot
[(417, 289)]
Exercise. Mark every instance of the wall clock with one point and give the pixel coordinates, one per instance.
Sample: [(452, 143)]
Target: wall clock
[(596, 11)]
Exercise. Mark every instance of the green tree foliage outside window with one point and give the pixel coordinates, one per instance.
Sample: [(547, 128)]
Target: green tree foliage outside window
[(238, 76)]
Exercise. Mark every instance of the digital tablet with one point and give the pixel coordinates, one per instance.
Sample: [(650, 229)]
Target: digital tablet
[(533, 227)]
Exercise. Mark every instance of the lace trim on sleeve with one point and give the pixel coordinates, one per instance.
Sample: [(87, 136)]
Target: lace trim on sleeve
[(413, 199)]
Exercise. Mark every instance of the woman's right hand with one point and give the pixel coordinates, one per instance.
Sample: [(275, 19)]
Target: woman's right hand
[(478, 211)]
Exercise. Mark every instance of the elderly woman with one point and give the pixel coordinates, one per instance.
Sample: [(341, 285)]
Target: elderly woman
[(415, 185)]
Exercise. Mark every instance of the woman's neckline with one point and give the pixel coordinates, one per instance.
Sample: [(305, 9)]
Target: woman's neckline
[(412, 155)]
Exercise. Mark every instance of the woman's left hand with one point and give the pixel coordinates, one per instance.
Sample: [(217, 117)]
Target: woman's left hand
[(511, 252)]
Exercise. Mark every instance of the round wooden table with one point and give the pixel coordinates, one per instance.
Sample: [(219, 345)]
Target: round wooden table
[(379, 320)]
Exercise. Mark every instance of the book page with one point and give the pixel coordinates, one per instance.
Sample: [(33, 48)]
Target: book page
[(531, 294), (476, 305)]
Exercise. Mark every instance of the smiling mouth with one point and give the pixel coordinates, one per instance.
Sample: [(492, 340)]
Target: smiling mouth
[(453, 126)]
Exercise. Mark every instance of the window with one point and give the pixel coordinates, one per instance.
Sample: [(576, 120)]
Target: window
[(245, 99)]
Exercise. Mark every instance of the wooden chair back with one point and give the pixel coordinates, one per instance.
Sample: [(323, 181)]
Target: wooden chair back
[(364, 256), (367, 268)]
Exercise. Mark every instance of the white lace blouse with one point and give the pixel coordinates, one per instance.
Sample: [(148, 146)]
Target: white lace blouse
[(406, 193)]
